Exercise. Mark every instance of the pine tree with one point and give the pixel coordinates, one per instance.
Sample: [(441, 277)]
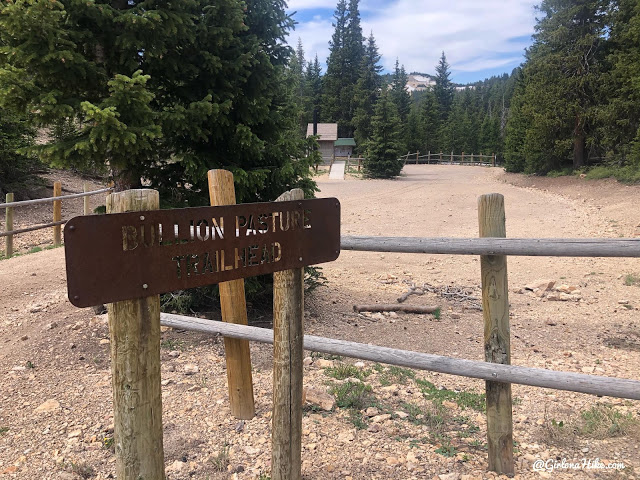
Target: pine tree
[(443, 88), (384, 149), (402, 100), (313, 80), (366, 93), (620, 114), (430, 123), (16, 168), (345, 57), (562, 76), (160, 91)]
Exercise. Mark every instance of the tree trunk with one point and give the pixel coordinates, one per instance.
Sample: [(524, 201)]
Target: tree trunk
[(579, 142)]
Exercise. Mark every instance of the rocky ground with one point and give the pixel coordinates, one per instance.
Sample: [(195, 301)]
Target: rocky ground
[(571, 314)]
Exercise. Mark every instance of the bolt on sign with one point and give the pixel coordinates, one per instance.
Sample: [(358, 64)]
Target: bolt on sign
[(124, 256)]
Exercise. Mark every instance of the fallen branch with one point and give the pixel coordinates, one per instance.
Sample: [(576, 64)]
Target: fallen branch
[(394, 308), (411, 291)]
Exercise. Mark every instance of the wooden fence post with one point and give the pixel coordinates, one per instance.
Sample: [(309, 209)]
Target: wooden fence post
[(462, 159), (288, 307), (417, 155), (451, 162), (134, 329), (8, 226), (85, 204), (440, 158), (497, 349), (493, 160), (234, 310), (57, 214)]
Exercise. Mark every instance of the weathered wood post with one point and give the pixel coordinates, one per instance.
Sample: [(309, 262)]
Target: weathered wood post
[(85, 204), (451, 161), (429, 157), (472, 159), (234, 310), (462, 159), (440, 161), (134, 330), (57, 214), (8, 226), (497, 349), (417, 155), (288, 307), (493, 161)]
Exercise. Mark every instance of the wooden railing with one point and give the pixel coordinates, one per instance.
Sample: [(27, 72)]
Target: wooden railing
[(57, 222)]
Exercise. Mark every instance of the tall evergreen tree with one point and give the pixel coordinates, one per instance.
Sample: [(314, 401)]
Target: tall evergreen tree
[(383, 150), (443, 88), (313, 80), (160, 91), (346, 52), (16, 168), (366, 93), (430, 123), (620, 114), (562, 74), (402, 100)]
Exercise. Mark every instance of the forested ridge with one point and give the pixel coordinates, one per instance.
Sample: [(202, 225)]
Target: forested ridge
[(166, 92), (574, 103)]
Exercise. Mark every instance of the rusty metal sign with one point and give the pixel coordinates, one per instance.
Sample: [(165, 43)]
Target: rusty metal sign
[(124, 256)]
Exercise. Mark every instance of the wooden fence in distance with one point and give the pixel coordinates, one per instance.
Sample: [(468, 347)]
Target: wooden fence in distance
[(57, 222)]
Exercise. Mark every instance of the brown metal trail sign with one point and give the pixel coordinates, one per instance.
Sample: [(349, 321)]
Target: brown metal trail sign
[(133, 255)]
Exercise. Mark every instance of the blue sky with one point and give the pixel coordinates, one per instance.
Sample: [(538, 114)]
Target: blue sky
[(480, 38)]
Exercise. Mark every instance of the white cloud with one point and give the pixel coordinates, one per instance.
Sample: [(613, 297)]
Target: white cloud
[(475, 35)]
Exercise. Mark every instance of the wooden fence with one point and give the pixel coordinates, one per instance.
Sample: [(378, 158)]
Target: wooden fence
[(138, 421), (496, 369), (57, 222), (451, 159)]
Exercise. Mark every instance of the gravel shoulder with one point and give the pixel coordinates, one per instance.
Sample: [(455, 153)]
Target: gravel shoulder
[(55, 412)]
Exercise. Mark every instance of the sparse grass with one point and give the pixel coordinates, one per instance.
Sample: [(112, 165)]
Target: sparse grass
[(343, 371), (627, 174), (264, 476), (3, 255), (109, 443), (631, 279), (35, 250), (437, 313), (82, 469), (30, 364), (395, 374), (446, 449), (476, 401), (358, 419), (604, 421), (172, 344), (221, 460), (3, 430), (353, 395), (326, 356)]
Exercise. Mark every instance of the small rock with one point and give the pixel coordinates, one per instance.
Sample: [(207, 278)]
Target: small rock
[(359, 364), (371, 412), (239, 426), (251, 450), (190, 369), (75, 434), (51, 326), (164, 383), (623, 302), (174, 353), (381, 418), (585, 450), (319, 398), (449, 476), (176, 467), (392, 461), (454, 316), (401, 414), (323, 363), (393, 315), (105, 341), (24, 337), (307, 361), (48, 406), (373, 428), (449, 404)]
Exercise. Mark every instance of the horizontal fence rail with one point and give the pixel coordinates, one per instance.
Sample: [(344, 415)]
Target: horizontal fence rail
[(54, 199), (535, 377), (551, 247), (31, 229)]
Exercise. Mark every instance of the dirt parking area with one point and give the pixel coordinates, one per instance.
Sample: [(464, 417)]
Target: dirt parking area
[(55, 407)]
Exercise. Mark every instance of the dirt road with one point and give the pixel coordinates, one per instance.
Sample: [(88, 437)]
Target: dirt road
[(55, 411)]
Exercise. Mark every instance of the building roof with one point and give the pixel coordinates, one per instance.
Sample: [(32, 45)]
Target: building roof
[(326, 131), (344, 142)]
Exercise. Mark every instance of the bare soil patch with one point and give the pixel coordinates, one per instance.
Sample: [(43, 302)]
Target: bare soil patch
[(55, 412)]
